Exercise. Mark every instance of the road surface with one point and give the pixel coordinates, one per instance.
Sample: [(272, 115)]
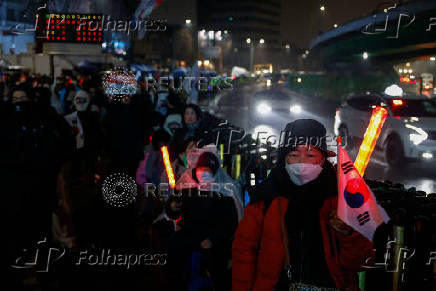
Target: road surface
[(238, 107)]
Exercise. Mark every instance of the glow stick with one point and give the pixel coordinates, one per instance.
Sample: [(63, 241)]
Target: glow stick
[(372, 133), (222, 154), (168, 168), (238, 166)]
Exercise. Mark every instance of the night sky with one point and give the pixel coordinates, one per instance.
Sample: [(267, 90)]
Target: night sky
[(299, 19)]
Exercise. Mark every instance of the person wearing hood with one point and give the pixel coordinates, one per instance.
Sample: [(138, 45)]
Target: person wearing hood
[(80, 175), (208, 222), (88, 131), (290, 237), (85, 124), (192, 118), (222, 182), (164, 229), (172, 123), (35, 143)]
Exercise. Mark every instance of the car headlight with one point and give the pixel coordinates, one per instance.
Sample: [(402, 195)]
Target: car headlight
[(263, 108), (417, 137), (427, 155), (295, 109)]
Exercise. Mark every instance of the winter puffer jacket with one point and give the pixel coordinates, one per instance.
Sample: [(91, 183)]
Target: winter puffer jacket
[(258, 254)]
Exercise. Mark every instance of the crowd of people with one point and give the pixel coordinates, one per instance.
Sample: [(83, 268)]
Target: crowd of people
[(60, 140)]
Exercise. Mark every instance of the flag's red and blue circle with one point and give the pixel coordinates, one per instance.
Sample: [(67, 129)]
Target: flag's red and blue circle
[(356, 193)]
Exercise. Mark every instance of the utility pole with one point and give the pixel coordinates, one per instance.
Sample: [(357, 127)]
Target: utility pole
[(251, 57), (319, 18)]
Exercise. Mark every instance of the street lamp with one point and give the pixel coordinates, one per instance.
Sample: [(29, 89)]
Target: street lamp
[(335, 25), (248, 40), (192, 29), (365, 55), (321, 9)]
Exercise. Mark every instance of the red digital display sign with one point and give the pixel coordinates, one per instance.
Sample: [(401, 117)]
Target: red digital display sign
[(69, 27)]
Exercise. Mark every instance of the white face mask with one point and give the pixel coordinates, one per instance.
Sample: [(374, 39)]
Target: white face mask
[(302, 173), (81, 105), (205, 177)]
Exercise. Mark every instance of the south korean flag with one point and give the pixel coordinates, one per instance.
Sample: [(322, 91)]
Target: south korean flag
[(357, 205)]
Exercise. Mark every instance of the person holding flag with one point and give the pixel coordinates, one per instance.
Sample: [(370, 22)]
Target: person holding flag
[(357, 205), (290, 237)]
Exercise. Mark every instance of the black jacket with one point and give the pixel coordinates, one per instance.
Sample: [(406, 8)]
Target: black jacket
[(126, 129), (208, 215)]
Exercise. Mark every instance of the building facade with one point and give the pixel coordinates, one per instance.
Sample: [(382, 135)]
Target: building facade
[(242, 33), (15, 26)]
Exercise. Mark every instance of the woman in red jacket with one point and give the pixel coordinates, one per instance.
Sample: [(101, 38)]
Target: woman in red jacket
[(290, 237)]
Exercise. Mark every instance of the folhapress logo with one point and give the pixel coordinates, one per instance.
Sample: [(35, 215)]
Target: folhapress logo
[(393, 18), (39, 258)]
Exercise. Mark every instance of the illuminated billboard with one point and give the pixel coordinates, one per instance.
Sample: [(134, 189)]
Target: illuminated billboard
[(69, 27)]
